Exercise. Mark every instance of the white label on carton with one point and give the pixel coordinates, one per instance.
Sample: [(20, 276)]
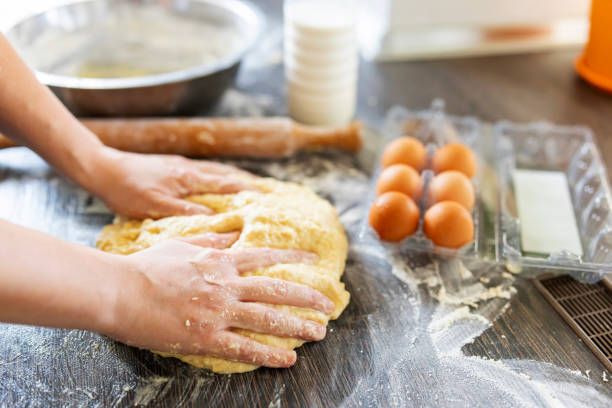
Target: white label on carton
[(545, 209)]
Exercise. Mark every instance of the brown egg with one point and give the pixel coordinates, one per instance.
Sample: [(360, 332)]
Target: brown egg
[(448, 224), (394, 216), (405, 150), (398, 177), (454, 156), (452, 186)]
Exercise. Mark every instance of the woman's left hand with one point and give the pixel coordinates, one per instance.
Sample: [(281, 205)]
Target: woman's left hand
[(153, 186)]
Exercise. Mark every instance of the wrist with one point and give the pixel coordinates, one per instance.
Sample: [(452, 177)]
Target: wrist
[(92, 166), (116, 277), (121, 304)]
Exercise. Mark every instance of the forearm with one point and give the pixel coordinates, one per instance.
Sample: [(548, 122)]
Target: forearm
[(49, 282), (31, 115)]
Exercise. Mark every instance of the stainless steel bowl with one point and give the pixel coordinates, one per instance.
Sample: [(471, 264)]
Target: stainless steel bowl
[(138, 57)]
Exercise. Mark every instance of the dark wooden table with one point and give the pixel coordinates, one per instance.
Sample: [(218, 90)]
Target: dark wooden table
[(378, 353)]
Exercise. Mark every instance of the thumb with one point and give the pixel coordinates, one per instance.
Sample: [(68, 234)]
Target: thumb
[(212, 240), (169, 206)]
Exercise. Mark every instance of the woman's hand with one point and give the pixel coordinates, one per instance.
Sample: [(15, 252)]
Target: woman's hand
[(180, 296), (152, 186), (131, 184), (184, 299)]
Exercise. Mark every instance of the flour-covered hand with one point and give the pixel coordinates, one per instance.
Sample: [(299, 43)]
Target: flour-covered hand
[(152, 186), (185, 295)]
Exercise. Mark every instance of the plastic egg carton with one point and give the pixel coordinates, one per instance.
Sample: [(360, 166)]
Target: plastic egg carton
[(501, 148), (434, 129)]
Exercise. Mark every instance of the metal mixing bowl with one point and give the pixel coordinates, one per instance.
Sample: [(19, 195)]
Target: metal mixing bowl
[(138, 57)]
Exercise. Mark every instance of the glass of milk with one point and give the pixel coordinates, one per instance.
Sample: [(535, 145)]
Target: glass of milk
[(321, 60)]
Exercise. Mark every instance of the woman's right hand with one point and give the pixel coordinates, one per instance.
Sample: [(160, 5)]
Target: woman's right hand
[(185, 295)]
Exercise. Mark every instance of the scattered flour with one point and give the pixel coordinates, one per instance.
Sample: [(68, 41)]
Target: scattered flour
[(151, 389), (474, 294), (449, 319), (470, 292), (457, 321), (279, 390)]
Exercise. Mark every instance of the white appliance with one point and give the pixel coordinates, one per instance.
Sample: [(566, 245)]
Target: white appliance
[(412, 29)]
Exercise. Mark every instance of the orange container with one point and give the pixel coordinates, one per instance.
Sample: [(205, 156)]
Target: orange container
[(595, 64)]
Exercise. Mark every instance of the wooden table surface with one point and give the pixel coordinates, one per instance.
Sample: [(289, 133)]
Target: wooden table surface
[(357, 364)]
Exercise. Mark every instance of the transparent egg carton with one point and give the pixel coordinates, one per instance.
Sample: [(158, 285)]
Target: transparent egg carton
[(500, 149)]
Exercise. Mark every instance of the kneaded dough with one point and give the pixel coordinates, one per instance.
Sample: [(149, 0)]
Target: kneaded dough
[(284, 215)]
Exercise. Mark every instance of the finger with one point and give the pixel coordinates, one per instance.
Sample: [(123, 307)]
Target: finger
[(213, 240), (235, 347), (247, 259), (167, 206), (220, 169), (280, 292), (210, 183), (265, 319)]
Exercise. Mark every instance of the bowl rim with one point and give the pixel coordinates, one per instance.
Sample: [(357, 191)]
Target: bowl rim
[(246, 11)]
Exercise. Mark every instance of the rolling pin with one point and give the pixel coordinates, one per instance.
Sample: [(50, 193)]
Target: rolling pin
[(219, 137)]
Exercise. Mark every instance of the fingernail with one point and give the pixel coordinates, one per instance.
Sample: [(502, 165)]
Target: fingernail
[(310, 256), (328, 305), (243, 172), (194, 209), (223, 240), (230, 237), (249, 187), (316, 331), (289, 359)]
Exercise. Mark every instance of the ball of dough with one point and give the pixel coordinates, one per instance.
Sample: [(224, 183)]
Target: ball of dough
[(282, 215)]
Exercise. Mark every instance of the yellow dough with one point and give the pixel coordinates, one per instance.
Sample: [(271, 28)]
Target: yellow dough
[(283, 215)]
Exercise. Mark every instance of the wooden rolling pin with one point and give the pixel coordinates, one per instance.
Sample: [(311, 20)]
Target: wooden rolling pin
[(219, 137)]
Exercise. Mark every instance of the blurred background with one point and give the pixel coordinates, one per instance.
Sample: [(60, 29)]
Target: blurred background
[(441, 28), (410, 29), (525, 49)]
